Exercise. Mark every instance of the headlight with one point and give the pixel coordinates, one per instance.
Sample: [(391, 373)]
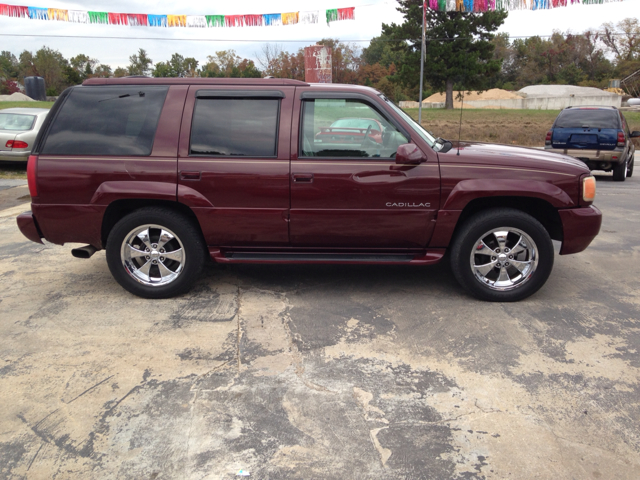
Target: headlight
[(588, 189)]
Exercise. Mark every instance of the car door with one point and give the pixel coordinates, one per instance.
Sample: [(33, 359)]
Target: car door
[(233, 166), (346, 189)]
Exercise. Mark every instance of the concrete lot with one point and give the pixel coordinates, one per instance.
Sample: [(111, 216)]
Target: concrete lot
[(321, 371)]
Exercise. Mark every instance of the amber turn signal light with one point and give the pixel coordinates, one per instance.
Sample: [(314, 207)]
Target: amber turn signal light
[(589, 189)]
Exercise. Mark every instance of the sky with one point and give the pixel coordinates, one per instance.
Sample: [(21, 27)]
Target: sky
[(160, 43)]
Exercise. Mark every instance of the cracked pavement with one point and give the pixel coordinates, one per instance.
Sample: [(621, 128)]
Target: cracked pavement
[(322, 371)]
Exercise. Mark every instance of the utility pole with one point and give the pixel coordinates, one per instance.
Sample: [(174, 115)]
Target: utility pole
[(424, 22)]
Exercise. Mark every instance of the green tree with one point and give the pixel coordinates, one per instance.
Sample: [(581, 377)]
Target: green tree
[(49, 64), (140, 63), (120, 72), (381, 51), (458, 47), (177, 66), (226, 63), (83, 65), (8, 65), (103, 71)]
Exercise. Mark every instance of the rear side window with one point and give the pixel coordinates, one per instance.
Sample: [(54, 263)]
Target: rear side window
[(16, 121), (245, 127), (107, 121), (585, 118)]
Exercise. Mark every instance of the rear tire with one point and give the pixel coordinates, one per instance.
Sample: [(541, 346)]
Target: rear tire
[(630, 167), (620, 171), (155, 253), (502, 255)]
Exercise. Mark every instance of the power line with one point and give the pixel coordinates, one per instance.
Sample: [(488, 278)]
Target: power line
[(443, 39)]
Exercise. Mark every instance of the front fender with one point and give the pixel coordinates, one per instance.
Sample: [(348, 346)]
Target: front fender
[(468, 190)]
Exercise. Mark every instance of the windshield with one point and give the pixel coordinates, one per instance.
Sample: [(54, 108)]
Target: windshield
[(419, 129), (14, 121), (588, 118)]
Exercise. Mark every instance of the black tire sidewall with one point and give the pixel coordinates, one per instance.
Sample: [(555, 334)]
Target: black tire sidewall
[(181, 226), (483, 222), (619, 174)]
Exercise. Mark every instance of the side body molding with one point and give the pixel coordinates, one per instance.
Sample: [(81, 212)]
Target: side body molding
[(108, 192), (468, 190)]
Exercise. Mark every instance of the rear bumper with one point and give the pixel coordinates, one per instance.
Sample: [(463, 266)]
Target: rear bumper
[(580, 226), (27, 225), (591, 155), (6, 156)]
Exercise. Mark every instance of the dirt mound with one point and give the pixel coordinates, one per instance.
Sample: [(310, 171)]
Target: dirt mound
[(493, 94), (16, 97)]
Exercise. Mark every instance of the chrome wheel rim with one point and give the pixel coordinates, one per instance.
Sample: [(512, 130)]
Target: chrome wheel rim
[(153, 255), (504, 259)]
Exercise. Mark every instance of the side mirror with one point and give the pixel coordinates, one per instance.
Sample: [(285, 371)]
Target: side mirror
[(635, 134), (410, 154)]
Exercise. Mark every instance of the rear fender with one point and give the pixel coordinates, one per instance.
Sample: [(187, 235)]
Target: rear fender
[(109, 192)]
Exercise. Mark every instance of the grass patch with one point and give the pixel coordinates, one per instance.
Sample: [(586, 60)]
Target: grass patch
[(512, 127), (13, 171), (4, 105)]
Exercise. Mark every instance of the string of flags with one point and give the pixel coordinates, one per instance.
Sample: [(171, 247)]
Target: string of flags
[(269, 19), (189, 21), (479, 6)]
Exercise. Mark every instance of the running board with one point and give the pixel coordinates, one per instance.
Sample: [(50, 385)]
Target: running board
[(431, 257)]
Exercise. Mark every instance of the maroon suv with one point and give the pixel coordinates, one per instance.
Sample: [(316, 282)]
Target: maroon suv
[(164, 173)]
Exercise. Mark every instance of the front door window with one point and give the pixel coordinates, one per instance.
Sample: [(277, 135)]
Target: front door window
[(347, 129)]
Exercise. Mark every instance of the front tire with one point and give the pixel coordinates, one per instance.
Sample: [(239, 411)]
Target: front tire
[(155, 253), (502, 255), (620, 171)]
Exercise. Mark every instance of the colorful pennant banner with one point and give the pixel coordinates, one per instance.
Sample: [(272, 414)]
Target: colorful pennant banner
[(479, 6), (268, 19), (190, 21)]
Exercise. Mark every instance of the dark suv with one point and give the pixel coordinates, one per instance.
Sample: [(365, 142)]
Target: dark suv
[(599, 136), (165, 173)]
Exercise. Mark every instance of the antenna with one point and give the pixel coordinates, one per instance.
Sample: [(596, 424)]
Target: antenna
[(460, 129)]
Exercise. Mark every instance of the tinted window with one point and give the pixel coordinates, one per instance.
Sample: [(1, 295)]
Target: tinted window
[(107, 121), (347, 128), (242, 127), (16, 121), (584, 118)]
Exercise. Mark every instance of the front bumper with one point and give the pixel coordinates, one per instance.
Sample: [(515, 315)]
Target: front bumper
[(28, 227), (579, 226), (6, 156)]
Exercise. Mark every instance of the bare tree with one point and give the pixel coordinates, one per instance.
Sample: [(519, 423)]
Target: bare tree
[(622, 39), (268, 56)]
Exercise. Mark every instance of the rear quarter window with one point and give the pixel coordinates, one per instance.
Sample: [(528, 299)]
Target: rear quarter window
[(107, 121), (586, 118)]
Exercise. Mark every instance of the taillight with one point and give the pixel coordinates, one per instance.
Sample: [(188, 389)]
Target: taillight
[(547, 141), (588, 189), (16, 144), (32, 165), (621, 139)]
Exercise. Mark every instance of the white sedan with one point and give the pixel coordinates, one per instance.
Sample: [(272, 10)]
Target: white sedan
[(18, 130)]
